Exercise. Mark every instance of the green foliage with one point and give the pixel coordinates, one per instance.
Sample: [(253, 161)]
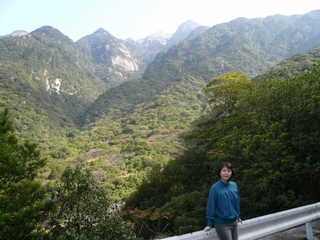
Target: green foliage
[(185, 210), (47, 81), (177, 192), (30, 67), (223, 92), (138, 146), (247, 45), (294, 66), (266, 137), (270, 134), (129, 139), (103, 58), (277, 142), (233, 46), (21, 196), (82, 210)]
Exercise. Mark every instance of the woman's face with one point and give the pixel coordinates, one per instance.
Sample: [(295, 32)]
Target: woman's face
[(225, 174)]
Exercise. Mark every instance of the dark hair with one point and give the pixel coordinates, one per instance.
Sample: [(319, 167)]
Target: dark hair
[(227, 165)]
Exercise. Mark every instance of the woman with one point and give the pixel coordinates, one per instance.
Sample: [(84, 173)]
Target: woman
[(223, 206)]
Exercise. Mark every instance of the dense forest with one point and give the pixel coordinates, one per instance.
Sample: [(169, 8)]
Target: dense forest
[(88, 153), (269, 130)]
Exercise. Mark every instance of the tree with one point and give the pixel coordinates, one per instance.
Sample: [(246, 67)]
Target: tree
[(80, 209), (271, 136), (178, 192), (270, 133), (223, 92), (276, 146), (22, 198)]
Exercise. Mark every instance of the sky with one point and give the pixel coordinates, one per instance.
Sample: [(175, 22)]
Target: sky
[(136, 19)]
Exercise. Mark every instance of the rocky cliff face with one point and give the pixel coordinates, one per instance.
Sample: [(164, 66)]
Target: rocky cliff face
[(182, 32), (125, 60), (18, 33), (147, 48), (155, 41), (115, 62), (106, 49)]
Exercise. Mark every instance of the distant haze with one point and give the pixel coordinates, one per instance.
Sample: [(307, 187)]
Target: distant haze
[(135, 18)]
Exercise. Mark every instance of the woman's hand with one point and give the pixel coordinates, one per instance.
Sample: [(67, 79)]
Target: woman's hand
[(207, 228), (239, 220)]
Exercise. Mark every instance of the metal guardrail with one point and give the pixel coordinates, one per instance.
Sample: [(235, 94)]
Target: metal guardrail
[(266, 225)]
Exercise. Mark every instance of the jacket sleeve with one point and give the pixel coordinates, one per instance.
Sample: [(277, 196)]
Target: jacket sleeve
[(210, 207), (238, 203)]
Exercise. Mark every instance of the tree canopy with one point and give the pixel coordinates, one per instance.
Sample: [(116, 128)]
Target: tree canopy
[(22, 198), (81, 209), (270, 133)]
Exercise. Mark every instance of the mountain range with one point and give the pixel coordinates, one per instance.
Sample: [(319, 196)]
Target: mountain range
[(109, 101)]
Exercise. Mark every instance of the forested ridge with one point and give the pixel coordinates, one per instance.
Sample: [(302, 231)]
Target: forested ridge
[(138, 159)]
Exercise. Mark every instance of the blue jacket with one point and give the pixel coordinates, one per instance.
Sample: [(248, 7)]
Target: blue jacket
[(223, 203)]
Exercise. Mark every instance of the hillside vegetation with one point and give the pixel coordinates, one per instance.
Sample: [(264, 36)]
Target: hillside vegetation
[(268, 129), (245, 91)]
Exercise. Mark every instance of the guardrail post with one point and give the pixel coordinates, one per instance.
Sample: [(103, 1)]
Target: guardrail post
[(309, 231)]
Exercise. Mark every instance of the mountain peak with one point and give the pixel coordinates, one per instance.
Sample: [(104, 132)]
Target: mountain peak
[(188, 26), (159, 36), (52, 33), (102, 32), (47, 29), (182, 32), (18, 33)]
